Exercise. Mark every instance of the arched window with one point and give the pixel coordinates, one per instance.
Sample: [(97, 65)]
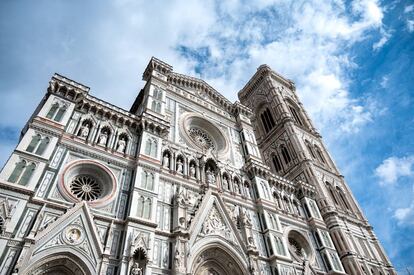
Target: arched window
[(279, 246), (342, 196), (247, 190), (140, 210), (56, 112), (332, 192), (285, 154), (42, 147), (269, 244), (295, 115), (157, 94), (151, 147), (27, 174), (320, 154), (267, 120), (17, 171), (276, 163), (33, 143), (156, 106), (60, 113), (327, 263), (52, 111), (147, 208), (309, 146)]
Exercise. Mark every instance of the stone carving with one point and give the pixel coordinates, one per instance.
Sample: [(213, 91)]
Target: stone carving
[(73, 235), (84, 131), (179, 166), (121, 145), (202, 138), (192, 171), (214, 225), (166, 161), (103, 138), (136, 269), (211, 178)]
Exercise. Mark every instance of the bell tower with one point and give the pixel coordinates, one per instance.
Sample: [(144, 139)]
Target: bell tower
[(292, 148)]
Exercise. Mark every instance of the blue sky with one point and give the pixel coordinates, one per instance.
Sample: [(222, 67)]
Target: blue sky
[(352, 63)]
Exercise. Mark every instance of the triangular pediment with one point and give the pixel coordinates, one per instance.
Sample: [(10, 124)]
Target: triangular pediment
[(73, 231), (215, 220)]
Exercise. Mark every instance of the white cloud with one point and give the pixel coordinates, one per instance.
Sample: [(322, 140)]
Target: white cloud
[(393, 168), (405, 215), (408, 8), (410, 25), (384, 81)]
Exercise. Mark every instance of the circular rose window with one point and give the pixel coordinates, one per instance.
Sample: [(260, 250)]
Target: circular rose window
[(88, 180), (203, 134), (299, 246)]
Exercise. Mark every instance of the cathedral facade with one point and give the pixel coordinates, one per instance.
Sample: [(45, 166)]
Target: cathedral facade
[(185, 182)]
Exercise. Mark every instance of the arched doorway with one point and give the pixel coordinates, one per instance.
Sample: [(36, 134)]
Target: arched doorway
[(215, 261), (64, 264)]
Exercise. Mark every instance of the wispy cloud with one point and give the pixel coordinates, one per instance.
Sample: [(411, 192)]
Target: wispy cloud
[(393, 168)]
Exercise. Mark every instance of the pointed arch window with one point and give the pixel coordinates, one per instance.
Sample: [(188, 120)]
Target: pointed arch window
[(147, 180), (295, 115), (151, 147), (343, 198), (22, 172), (33, 143), (311, 152), (276, 163), (42, 147), (267, 120), (147, 208), (280, 249), (332, 192), (285, 154), (56, 112), (156, 106), (141, 202), (320, 154)]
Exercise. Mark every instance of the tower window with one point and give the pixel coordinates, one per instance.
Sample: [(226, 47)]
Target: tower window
[(276, 163), (267, 120), (22, 172), (295, 115), (285, 154)]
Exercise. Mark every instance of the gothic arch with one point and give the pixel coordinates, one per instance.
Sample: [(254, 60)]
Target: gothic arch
[(66, 261), (218, 255)]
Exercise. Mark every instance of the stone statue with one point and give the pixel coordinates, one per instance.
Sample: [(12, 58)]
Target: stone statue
[(166, 161), (136, 270), (103, 137), (179, 166), (237, 187), (121, 145), (84, 131), (226, 183), (192, 171), (211, 179)]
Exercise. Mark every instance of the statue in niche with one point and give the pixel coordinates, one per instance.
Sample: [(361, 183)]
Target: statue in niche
[(226, 183), (103, 137), (166, 161), (179, 166), (84, 131), (211, 178), (121, 145), (192, 171), (136, 270)]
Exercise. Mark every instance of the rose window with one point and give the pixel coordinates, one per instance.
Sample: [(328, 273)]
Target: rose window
[(86, 188), (89, 181), (297, 248), (201, 138)]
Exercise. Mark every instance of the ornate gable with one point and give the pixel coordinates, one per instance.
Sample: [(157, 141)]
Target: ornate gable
[(215, 221), (75, 232)]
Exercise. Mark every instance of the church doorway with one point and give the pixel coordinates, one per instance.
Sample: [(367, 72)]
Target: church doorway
[(59, 265), (216, 261)]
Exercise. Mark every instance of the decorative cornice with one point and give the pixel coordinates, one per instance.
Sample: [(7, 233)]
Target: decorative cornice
[(262, 72), (156, 65)]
